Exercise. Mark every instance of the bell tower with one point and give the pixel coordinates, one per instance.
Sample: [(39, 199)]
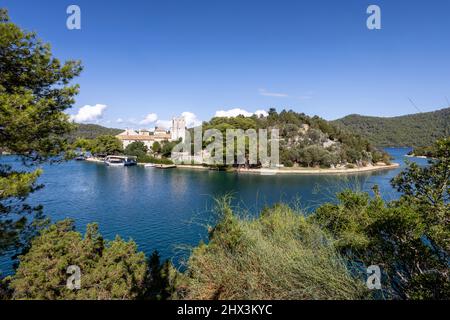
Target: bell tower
[(178, 128)]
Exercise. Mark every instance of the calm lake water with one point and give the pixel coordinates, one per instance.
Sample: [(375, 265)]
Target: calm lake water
[(167, 209)]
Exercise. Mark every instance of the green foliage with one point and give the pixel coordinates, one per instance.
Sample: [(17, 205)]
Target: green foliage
[(315, 155), (82, 144), (150, 159), (414, 130), (163, 279), (5, 292), (138, 149), (34, 95), (279, 255), (109, 145), (408, 238), (167, 147), (427, 151), (305, 141), (224, 123), (422, 152), (427, 189), (156, 147), (109, 269), (14, 188), (18, 184), (91, 131)]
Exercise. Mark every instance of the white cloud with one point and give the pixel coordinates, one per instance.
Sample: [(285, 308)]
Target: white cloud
[(120, 120), (266, 93), (132, 121), (165, 124), (233, 113), (150, 118), (263, 113), (237, 111), (89, 113), (191, 119)]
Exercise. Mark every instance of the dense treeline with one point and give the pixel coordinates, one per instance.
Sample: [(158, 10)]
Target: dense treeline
[(414, 130), (159, 153), (103, 145), (422, 152), (307, 141), (91, 131), (426, 151)]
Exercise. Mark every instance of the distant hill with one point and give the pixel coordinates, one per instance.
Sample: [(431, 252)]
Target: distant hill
[(414, 130), (91, 131)]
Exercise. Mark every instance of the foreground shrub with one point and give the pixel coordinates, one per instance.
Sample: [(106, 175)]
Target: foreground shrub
[(408, 238), (109, 269), (279, 255), (162, 279)]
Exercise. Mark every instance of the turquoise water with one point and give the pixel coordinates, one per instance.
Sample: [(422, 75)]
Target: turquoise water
[(167, 209)]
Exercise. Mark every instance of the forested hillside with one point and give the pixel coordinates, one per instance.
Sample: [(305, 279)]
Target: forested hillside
[(414, 130), (92, 131), (308, 141)]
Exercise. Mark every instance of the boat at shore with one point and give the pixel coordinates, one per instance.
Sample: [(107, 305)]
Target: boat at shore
[(80, 158), (165, 166), (120, 161)]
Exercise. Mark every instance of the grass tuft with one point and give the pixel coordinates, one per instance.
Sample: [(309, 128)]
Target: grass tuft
[(279, 255)]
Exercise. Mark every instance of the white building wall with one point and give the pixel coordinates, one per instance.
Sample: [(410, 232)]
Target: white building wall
[(178, 129)]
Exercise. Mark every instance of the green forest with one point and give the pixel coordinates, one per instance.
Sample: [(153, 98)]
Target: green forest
[(91, 131), (307, 141), (414, 130)]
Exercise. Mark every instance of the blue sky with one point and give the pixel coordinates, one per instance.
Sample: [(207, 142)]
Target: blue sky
[(167, 57)]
